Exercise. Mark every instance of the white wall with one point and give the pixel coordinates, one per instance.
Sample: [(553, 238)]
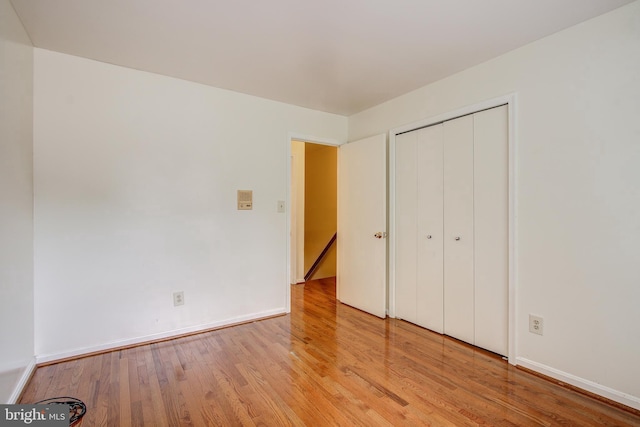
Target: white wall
[(578, 186), (16, 202), (135, 197)]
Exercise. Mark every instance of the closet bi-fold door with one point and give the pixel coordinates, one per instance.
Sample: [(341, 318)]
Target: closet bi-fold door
[(406, 225), (430, 227), (459, 302), (419, 287), (451, 228), (491, 228)]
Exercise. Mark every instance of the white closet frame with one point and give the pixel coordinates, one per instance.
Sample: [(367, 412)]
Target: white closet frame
[(510, 101)]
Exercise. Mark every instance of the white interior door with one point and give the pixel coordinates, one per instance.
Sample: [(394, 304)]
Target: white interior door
[(458, 229), (429, 286), (491, 239), (406, 223), (362, 214), (419, 227), (451, 228)]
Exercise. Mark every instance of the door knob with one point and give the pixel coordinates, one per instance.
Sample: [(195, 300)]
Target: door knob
[(380, 235), (457, 237), (428, 236)]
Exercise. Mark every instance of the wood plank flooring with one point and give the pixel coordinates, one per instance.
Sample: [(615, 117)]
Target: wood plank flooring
[(325, 364)]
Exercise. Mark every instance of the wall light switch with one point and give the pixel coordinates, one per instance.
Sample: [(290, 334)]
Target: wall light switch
[(281, 206)]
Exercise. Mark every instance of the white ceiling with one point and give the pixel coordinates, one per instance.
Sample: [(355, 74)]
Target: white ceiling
[(340, 56)]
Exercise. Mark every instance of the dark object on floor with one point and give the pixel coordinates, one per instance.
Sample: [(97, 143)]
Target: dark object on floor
[(76, 406)]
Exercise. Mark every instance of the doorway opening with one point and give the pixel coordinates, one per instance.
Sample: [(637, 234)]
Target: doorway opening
[(313, 210)]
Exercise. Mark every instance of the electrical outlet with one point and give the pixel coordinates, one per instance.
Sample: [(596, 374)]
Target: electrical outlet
[(536, 324), (178, 298)]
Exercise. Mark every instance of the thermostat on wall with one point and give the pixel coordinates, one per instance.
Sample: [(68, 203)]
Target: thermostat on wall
[(245, 200)]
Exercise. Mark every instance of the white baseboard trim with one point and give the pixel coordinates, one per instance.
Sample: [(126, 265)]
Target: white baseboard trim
[(590, 386), (48, 358), (22, 383)]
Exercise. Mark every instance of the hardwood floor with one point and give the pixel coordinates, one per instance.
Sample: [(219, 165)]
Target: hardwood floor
[(325, 364)]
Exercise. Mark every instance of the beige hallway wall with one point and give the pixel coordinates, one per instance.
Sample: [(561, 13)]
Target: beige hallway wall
[(320, 207)]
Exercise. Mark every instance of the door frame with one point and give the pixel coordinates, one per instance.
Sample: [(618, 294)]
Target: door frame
[(510, 100), (314, 140)]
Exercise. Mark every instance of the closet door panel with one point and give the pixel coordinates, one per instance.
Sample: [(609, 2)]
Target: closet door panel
[(406, 214), (491, 182), (429, 286), (458, 229)]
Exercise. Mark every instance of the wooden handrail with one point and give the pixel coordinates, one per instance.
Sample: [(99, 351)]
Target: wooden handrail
[(322, 254)]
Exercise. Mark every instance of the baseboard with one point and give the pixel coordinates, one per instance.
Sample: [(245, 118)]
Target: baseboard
[(22, 383), (176, 333), (581, 383)]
